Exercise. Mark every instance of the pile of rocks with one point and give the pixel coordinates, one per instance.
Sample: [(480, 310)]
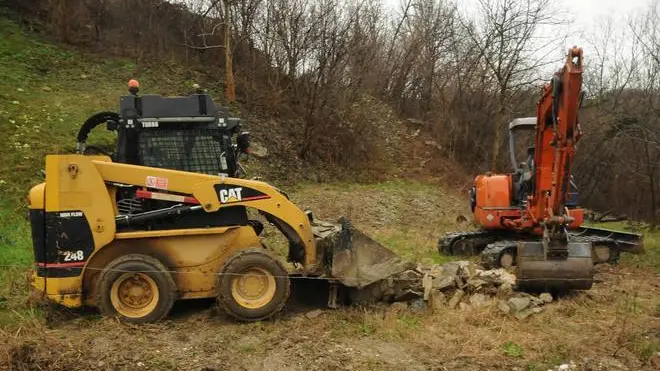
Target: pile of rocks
[(459, 284)]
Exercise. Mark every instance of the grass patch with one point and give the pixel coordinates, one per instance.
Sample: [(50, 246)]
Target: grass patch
[(15, 260), (512, 350), (646, 347), (408, 322)]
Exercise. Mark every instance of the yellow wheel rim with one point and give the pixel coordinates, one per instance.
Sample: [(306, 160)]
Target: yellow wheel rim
[(254, 288), (134, 295)]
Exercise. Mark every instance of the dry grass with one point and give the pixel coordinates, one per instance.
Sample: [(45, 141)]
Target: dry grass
[(608, 325)]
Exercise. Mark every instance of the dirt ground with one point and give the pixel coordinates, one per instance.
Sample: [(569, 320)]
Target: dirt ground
[(614, 326)]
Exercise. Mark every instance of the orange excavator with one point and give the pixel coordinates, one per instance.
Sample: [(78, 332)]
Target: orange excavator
[(529, 218)]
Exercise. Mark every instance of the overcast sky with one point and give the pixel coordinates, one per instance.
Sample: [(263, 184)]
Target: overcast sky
[(587, 14)]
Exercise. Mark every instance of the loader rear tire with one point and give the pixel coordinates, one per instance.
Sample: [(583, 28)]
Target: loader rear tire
[(253, 285), (136, 288)]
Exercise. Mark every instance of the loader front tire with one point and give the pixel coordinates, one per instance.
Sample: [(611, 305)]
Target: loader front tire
[(136, 289), (252, 285)]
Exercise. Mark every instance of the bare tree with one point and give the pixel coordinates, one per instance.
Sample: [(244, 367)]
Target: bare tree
[(509, 37)]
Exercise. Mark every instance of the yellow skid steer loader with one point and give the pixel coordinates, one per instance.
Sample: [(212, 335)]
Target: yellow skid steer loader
[(164, 218)]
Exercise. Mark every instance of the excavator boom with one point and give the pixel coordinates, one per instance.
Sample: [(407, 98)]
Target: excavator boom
[(557, 134)]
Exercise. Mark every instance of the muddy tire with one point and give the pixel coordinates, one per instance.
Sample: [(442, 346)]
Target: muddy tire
[(252, 285), (136, 289)]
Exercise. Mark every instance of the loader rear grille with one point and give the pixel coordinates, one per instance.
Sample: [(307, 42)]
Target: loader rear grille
[(194, 150)]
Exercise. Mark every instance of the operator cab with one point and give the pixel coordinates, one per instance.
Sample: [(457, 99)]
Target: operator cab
[(521, 134), (180, 133), (187, 133)]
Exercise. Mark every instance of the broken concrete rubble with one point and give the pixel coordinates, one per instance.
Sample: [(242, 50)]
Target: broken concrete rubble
[(518, 304), (457, 284), (458, 295), (479, 300), (546, 297)]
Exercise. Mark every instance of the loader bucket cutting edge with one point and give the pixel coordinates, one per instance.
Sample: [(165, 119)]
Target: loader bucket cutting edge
[(354, 258), (536, 273)]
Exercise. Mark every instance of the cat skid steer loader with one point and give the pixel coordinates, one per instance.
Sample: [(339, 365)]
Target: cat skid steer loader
[(165, 218)]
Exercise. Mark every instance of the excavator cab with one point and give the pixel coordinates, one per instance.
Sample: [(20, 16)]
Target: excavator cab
[(523, 175), (521, 134)]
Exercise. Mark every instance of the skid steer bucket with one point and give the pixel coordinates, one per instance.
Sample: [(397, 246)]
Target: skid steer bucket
[(535, 272), (354, 258)]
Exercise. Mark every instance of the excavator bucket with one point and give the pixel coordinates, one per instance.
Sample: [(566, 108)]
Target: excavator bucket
[(352, 257), (537, 272)]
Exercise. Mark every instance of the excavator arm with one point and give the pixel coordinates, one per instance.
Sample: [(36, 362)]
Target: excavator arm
[(555, 261), (557, 134)]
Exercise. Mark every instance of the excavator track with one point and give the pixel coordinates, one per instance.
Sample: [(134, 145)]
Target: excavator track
[(490, 245), (468, 243)]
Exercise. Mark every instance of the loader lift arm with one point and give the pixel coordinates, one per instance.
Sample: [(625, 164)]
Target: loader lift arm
[(207, 189)]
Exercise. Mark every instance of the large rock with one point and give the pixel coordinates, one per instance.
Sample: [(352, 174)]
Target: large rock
[(519, 303), (467, 269), (536, 302), (475, 284), (546, 297), (479, 300), (456, 298), (497, 276), (450, 269), (443, 282), (523, 314)]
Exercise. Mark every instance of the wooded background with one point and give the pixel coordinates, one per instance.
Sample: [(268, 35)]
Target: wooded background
[(462, 74)]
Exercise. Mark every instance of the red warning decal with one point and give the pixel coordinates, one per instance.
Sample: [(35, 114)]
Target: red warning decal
[(156, 182)]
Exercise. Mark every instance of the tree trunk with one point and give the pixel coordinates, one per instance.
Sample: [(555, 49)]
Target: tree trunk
[(230, 88), (497, 133), (651, 175)]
